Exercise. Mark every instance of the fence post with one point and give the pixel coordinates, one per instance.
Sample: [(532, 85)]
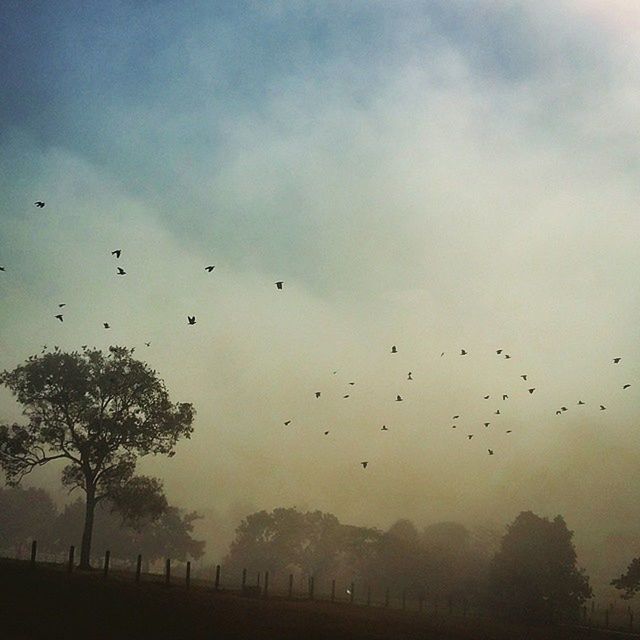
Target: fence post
[(386, 597), (311, 585), (333, 590), (368, 595), (105, 569), (258, 578), (404, 599), (290, 586), (244, 578), (138, 568), (72, 550), (217, 582), (167, 571), (34, 548), (266, 584), (353, 592), (188, 576)]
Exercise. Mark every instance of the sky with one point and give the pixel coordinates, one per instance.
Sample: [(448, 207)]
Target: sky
[(437, 175)]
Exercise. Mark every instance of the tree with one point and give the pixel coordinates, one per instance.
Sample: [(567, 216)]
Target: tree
[(97, 412), (630, 581), (534, 575)]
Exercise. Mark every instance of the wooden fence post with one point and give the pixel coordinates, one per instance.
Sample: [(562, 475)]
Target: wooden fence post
[(217, 582), (266, 584), (333, 590), (105, 569), (258, 578), (188, 575), (244, 578), (290, 586), (34, 549), (386, 597), (167, 571), (138, 568), (352, 593), (72, 550)]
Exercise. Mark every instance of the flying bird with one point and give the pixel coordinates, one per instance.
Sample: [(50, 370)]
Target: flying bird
[(39, 204), (524, 377), (287, 423), (499, 351), (504, 396), (442, 354), (59, 316), (454, 426), (346, 396), (210, 268), (455, 417), (393, 349), (116, 253), (603, 408), (62, 304), (398, 398), (558, 412), (106, 325), (564, 409), (490, 451), (486, 424), (498, 412), (508, 431), (626, 386), (279, 284), (507, 356), (191, 319), (317, 394), (470, 436), (121, 271), (616, 360), (364, 464), (531, 390), (384, 428), (326, 433), (352, 383), (580, 402), (486, 397), (463, 352), (147, 344), (409, 376), (2, 269)]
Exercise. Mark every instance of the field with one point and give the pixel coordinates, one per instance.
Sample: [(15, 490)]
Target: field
[(45, 602)]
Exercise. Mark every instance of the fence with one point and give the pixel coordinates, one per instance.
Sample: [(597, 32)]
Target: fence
[(265, 585)]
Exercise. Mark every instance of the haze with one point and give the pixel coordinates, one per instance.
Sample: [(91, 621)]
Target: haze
[(438, 175)]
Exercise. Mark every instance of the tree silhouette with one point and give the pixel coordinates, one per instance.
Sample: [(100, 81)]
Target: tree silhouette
[(629, 581), (97, 412), (534, 575)]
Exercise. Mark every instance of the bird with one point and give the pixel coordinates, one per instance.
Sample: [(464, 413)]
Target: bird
[(455, 417), (507, 356), (384, 428), (191, 319), (317, 394), (116, 253), (524, 376), (504, 396), (352, 383), (326, 433), (454, 426), (210, 268), (279, 284), (334, 372), (39, 204), (486, 424), (558, 412), (564, 409), (626, 386), (486, 397), (364, 464), (62, 304), (463, 352), (531, 390), (59, 316), (287, 423), (106, 325), (603, 408), (616, 360), (490, 451), (469, 436), (147, 344), (499, 351), (121, 271), (508, 431), (394, 349), (409, 376), (2, 268), (442, 354), (498, 412), (346, 396), (398, 398), (580, 402)]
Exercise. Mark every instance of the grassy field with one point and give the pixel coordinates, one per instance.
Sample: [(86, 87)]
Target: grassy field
[(45, 602)]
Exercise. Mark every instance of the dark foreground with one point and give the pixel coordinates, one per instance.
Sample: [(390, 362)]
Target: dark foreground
[(47, 603)]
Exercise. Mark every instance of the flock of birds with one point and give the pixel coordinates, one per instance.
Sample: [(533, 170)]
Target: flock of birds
[(191, 320)]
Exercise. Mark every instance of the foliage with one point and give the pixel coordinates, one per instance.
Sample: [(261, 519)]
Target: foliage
[(629, 582), (24, 514)]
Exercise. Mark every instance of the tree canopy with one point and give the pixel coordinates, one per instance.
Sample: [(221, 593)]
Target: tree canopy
[(629, 582), (98, 413)]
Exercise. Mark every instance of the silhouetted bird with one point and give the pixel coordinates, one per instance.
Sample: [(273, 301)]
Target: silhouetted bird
[(470, 436), (508, 431), (626, 386), (62, 304), (486, 424), (398, 398), (346, 396), (490, 451), (364, 464), (409, 376), (121, 271), (2, 269), (524, 377), (334, 372), (326, 433), (279, 284), (531, 390), (603, 408), (504, 396), (116, 253), (191, 319), (498, 412), (463, 352), (580, 402), (558, 412), (287, 423), (147, 344), (393, 349), (384, 428), (454, 426), (352, 383), (442, 354), (317, 394), (499, 351), (209, 269), (106, 325), (59, 316), (486, 397), (507, 356), (616, 360), (455, 417), (39, 204), (564, 409)]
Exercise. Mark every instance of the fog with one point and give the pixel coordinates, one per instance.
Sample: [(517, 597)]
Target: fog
[(432, 175)]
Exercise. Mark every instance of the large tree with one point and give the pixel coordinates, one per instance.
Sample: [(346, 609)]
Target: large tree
[(629, 582), (98, 412), (534, 575)]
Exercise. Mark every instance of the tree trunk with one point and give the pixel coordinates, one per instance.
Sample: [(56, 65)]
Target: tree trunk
[(85, 550)]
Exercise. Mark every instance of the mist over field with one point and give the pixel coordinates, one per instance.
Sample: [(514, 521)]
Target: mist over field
[(439, 176)]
